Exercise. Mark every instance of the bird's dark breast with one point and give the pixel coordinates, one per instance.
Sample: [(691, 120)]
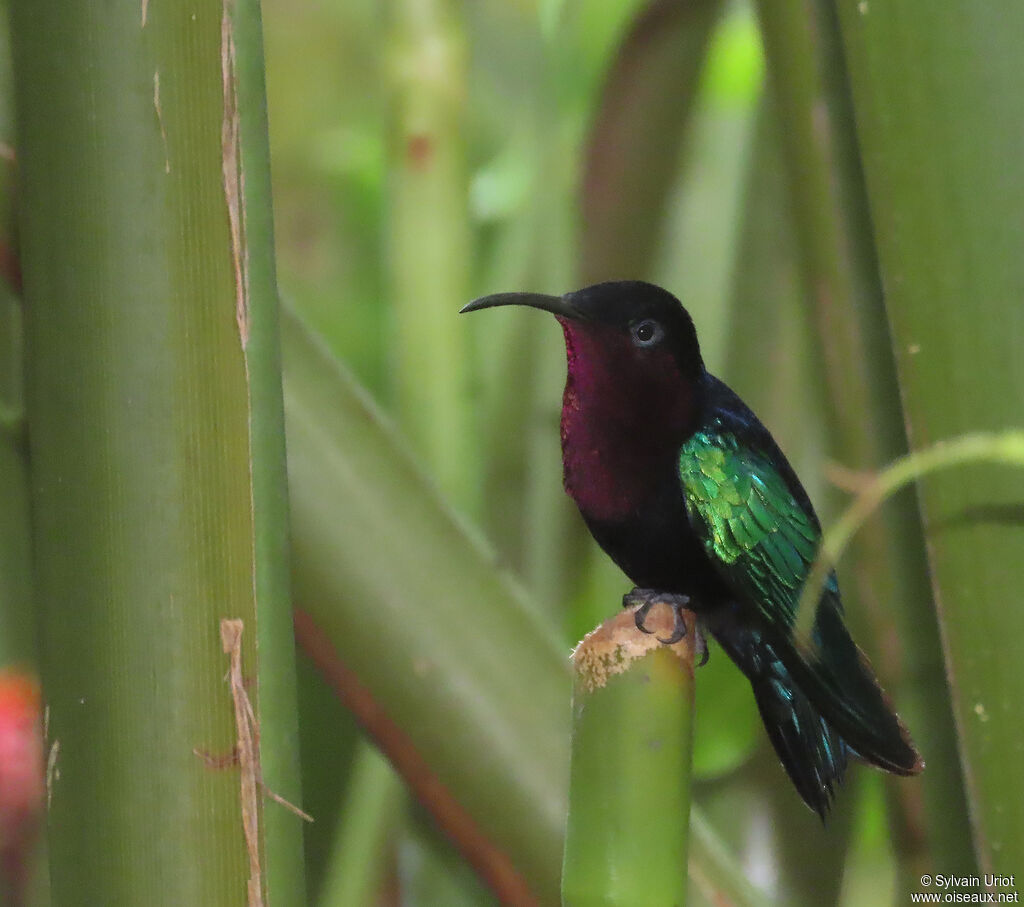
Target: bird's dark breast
[(655, 547), (625, 414)]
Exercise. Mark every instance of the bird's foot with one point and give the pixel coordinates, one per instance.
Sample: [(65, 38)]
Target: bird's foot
[(700, 646), (647, 598)]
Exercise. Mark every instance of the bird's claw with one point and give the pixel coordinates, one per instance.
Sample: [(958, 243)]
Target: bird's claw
[(700, 646), (647, 598)]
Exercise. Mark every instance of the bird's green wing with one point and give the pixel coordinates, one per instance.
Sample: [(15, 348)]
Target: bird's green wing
[(762, 538), (756, 533)]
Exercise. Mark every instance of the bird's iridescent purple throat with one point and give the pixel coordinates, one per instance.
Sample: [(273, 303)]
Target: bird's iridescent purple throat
[(689, 494)]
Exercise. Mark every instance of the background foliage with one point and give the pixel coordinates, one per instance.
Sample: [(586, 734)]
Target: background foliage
[(577, 142), (833, 189)]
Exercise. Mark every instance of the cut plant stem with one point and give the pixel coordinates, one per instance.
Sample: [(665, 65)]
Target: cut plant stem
[(629, 789)]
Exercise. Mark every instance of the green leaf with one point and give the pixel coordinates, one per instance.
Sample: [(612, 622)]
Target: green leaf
[(941, 133), (886, 589)]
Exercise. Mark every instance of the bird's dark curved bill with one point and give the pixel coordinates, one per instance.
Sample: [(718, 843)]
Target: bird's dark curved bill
[(557, 305)]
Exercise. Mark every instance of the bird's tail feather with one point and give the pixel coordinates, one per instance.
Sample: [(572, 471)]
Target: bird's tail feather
[(839, 680), (812, 753)]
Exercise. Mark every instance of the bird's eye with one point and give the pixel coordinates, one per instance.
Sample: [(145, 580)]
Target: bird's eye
[(647, 333)]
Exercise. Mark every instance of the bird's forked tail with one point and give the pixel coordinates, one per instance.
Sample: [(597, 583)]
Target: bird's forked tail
[(812, 753)]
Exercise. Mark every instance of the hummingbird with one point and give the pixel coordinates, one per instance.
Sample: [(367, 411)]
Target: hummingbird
[(689, 494)]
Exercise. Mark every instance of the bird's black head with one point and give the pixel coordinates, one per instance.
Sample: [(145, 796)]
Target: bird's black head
[(651, 319), (632, 390)]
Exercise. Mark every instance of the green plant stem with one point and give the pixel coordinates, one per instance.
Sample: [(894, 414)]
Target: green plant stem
[(17, 615), (158, 483), (276, 670), (629, 790), (941, 144), (555, 537), (808, 79), (714, 871), (1006, 449), (429, 247), (367, 817)]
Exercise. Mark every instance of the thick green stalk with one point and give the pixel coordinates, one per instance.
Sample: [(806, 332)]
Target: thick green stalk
[(629, 792), (808, 78), (939, 99), (429, 243), (555, 537), (428, 263), (278, 693), (17, 617), (157, 450)]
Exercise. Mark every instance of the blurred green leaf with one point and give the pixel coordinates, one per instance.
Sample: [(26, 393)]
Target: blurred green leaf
[(634, 143), (886, 585), (941, 141), (421, 615)]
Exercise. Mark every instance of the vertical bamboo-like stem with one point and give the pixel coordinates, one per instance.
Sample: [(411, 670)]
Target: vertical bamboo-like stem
[(808, 79), (278, 694), (429, 247), (157, 449), (366, 819), (17, 627), (554, 533), (629, 791), (941, 138), (428, 264)]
